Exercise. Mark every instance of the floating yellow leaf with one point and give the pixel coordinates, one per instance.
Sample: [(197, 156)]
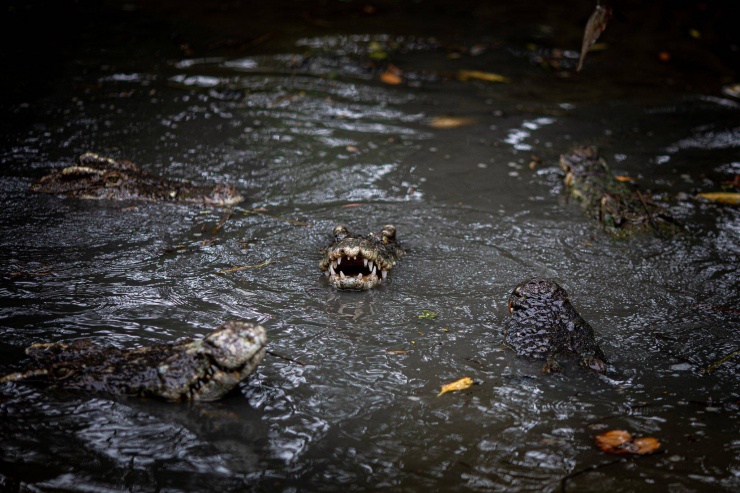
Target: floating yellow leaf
[(477, 74), (721, 197), (451, 121), (461, 384)]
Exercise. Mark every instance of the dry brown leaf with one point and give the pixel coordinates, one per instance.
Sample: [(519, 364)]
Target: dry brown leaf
[(461, 384), (623, 178), (620, 442), (451, 121), (391, 78), (721, 197), (479, 75), (646, 445), (594, 27)]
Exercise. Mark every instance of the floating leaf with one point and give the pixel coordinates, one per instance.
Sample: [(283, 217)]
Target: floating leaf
[(594, 27), (390, 78), (451, 121), (732, 90), (646, 445), (477, 74), (620, 442), (461, 384), (623, 178), (427, 314), (721, 197)]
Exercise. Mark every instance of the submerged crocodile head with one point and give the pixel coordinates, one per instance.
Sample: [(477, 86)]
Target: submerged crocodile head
[(620, 208), (360, 262), (223, 358), (99, 177), (544, 325), (204, 369)]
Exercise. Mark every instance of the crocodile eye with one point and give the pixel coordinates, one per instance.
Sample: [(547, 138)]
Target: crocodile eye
[(388, 233), (340, 232)]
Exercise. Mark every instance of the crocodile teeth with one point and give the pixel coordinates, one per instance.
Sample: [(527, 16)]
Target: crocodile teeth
[(339, 260), (374, 272), (364, 261), (370, 265), (384, 273), (359, 276), (331, 270), (341, 274)]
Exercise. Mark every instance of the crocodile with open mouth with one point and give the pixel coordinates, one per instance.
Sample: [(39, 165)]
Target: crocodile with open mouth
[(99, 177), (544, 325), (357, 262), (618, 206), (202, 370)]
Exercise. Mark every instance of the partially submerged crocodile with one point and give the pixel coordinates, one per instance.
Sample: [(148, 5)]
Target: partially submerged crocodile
[(544, 325), (618, 206), (203, 370), (99, 177), (357, 262)]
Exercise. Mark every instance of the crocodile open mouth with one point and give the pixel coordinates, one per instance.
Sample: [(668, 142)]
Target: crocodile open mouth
[(353, 270)]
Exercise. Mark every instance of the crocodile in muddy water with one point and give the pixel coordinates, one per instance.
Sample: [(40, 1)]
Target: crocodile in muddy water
[(619, 207), (203, 370), (360, 262), (544, 325), (99, 177)]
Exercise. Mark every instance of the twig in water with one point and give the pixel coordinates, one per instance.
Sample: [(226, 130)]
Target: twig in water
[(221, 223), (650, 215), (572, 475), (237, 268), (709, 369), (285, 358)]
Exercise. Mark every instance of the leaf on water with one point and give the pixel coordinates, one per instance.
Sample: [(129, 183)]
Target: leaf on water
[(427, 314), (461, 384), (451, 121), (620, 442), (624, 178), (390, 78), (594, 27), (732, 90), (721, 197), (397, 351), (646, 445), (464, 75)]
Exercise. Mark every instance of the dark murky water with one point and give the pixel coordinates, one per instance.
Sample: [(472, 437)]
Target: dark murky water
[(302, 125)]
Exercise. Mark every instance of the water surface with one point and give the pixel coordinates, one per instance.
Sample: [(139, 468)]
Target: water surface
[(303, 126)]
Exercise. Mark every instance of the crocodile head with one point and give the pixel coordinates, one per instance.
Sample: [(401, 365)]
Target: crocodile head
[(204, 369), (545, 325), (214, 365), (535, 293), (104, 178), (360, 262)]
